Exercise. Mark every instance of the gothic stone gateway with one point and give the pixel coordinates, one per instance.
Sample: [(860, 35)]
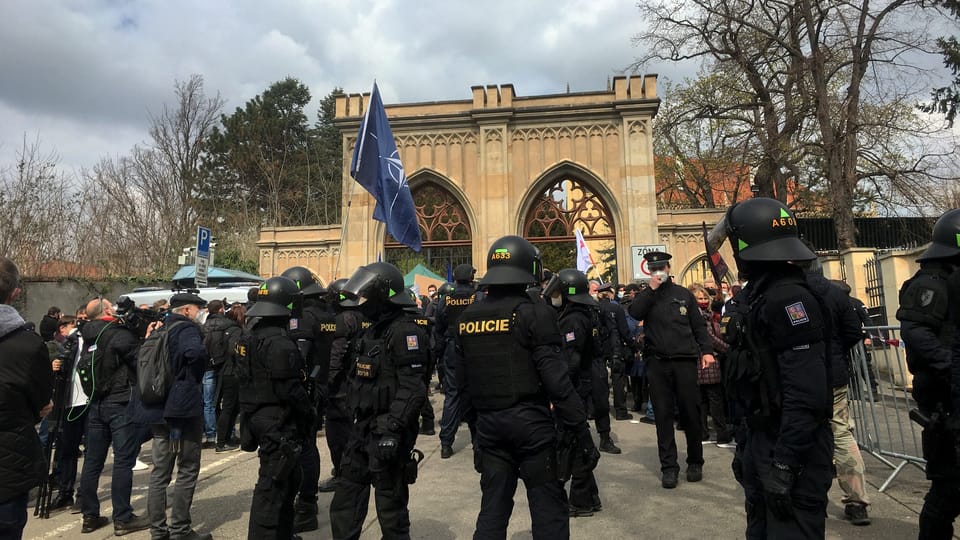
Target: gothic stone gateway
[(499, 164)]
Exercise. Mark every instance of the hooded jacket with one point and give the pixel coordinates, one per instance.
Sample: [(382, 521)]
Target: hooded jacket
[(26, 385)]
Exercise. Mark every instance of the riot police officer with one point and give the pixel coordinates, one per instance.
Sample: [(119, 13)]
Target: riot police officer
[(778, 373), (278, 416), (313, 331), (349, 324), (568, 291), (385, 396), (928, 331), (511, 367), (455, 409), (622, 349)]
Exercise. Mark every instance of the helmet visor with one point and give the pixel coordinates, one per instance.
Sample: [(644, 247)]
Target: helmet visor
[(359, 288)]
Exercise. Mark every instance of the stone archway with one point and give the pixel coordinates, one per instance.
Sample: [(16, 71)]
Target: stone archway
[(559, 205), (445, 227)]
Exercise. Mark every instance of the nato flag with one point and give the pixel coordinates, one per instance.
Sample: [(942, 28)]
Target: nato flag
[(376, 166)]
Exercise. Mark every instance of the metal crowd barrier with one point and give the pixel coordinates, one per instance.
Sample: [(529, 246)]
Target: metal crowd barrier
[(880, 402)]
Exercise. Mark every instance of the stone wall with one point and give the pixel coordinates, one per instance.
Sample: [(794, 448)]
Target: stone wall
[(69, 294)]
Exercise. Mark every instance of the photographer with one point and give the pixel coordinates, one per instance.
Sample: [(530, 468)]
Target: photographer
[(107, 371), (72, 411)]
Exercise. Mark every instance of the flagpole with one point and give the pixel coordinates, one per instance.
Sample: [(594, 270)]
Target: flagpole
[(343, 227), (343, 232)]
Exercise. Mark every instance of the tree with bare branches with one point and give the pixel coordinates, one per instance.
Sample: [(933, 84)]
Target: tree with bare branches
[(807, 72)]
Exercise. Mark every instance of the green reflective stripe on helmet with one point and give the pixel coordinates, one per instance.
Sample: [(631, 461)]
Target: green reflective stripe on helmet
[(741, 244), (784, 213), (392, 293), (501, 250), (571, 290), (958, 239)]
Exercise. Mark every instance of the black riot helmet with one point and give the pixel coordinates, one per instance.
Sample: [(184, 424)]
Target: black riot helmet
[(946, 237), (763, 230), (378, 283), (335, 290), (276, 297), (306, 280), (512, 261), (464, 273), (445, 290), (571, 285)]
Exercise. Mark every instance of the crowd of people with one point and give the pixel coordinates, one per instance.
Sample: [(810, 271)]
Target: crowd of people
[(525, 357)]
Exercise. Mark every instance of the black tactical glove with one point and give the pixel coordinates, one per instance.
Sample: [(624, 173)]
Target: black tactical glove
[(387, 448), (777, 483), (589, 456)]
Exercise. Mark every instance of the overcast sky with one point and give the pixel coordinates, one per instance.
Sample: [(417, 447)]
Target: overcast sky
[(84, 75)]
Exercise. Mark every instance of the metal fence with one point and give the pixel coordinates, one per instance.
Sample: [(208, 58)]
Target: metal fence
[(880, 402)]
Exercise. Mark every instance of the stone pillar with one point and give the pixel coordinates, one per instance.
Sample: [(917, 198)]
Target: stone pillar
[(854, 259)]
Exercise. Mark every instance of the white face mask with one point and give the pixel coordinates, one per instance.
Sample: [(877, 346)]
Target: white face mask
[(619, 294), (556, 300)]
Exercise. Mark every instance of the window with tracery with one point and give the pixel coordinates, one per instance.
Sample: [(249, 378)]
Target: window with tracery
[(565, 206), (444, 228)]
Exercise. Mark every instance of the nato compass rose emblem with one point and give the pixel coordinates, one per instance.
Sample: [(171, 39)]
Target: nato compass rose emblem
[(395, 170)]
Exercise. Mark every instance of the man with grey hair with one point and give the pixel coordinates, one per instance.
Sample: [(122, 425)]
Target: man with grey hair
[(177, 423), (27, 381)]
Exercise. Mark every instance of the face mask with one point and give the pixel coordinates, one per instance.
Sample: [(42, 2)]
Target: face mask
[(556, 301), (619, 294), (594, 295), (703, 305)]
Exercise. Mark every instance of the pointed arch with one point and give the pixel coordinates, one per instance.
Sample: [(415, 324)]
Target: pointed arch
[(567, 197), (446, 222)]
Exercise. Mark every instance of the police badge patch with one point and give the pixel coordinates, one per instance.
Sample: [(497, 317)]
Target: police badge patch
[(570, 336), (797, 314), (412, 343), (926, 297)]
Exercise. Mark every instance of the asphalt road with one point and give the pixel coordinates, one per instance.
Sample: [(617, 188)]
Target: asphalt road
[(445, 500)]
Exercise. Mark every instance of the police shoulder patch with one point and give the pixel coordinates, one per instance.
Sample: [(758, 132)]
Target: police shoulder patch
[(797, 314), (926, 297), (294, 324), (413, 344), (570, 336)]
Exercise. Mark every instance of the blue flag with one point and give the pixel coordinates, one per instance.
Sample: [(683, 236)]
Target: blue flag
[(449, 272), (376, 166)]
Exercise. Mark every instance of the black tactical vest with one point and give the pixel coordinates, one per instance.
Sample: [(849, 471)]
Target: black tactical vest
[(499, 370), (374, 373), (454, 305), (252, 357)]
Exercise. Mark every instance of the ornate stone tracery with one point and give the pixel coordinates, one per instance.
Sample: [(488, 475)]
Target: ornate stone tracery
[(566, 205)]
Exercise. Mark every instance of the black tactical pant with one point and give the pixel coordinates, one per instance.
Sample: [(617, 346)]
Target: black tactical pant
[(519, 443), (600, 395), (809, 494), (673, 384), (359, 469), (941, 505), (310, 467), (618, 380), (271, 512), (337, 428)]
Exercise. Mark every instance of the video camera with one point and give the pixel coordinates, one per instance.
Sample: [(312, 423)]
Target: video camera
[(135, 318)]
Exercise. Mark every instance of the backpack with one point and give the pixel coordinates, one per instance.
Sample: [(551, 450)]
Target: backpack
[(217, 343), (154, 374), (96, 368)]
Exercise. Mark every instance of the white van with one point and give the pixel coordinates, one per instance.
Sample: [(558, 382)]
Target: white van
[(232, 292)]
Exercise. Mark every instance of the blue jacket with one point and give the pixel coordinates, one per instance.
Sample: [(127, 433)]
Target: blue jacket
[(188, 358)]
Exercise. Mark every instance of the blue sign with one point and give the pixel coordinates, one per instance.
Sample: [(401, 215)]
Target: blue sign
[(203, 242)]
